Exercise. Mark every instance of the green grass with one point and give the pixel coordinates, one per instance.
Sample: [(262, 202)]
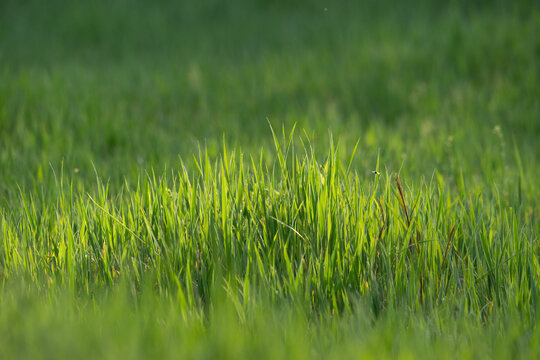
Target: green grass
[(269, 179)]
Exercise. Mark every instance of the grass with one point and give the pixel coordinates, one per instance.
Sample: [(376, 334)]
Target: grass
[(269, 179)]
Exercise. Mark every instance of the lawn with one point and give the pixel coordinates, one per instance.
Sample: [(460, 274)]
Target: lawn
[(269, 179)]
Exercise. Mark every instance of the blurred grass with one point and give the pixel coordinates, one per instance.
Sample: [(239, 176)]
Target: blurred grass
[(132, 85), (107, 329)]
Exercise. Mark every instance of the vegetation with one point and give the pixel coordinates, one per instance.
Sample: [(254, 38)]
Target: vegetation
[(269, 179)]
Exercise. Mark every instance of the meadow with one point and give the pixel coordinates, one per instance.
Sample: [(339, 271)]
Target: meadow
[(271, 179)]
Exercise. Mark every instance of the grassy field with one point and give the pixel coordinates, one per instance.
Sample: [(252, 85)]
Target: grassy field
[(269, 179)]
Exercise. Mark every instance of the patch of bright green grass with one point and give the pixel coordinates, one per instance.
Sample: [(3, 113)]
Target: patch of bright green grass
[(129, 229)]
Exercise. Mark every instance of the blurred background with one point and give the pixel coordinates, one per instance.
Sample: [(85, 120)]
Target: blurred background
[(126, 86)]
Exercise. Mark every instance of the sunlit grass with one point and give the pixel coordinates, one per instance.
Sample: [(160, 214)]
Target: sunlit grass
[(269, 179), (308, 235)]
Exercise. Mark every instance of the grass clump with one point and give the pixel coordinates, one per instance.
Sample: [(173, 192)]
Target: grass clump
[(294, 233)]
